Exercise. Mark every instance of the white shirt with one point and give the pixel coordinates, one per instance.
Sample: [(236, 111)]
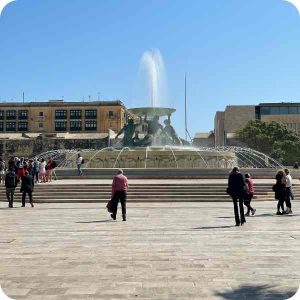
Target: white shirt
[(288, 180), (79, 160), (43, 167)]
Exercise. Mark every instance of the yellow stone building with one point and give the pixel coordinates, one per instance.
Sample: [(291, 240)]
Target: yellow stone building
[(59, 116), (237, 116)]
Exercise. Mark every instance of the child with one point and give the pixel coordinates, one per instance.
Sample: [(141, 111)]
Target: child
[(249, 195)]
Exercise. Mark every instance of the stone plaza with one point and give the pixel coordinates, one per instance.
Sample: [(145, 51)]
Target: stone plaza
[(163, 251)]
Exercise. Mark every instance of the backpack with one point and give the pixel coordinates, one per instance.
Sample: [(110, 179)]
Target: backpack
[(82, 162), (10, 180), (2, 166), (54, 165)]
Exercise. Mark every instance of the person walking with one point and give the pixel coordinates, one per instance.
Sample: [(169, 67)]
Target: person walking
[(35, 170), (280, 192), (289, 192), (20, 168), (11, 181), (2, 170), (27, 188), (236, 189), (119, 193), (42, 170), (79, 162), (50, 167), (249, 195)]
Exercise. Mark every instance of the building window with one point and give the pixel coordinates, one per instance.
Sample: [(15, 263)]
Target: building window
[(22, 126), (1, 126), (60, 126), (41, 125), (75, 114), (60, 114), (265, 110), (90, 125), (10, 126), (110, 114), (23, 114), (10, 115), (41, 114), (274, 110), (1, 114), (293, 110), (75, 126), (284, 110), (91, 114)]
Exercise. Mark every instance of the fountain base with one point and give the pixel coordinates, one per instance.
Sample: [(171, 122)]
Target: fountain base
[(155, 157)]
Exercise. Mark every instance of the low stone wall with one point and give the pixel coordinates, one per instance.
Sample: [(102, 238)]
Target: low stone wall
[(167, 173), (33, 146)]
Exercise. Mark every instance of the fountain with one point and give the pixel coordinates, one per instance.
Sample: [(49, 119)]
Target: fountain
[(146, 143)]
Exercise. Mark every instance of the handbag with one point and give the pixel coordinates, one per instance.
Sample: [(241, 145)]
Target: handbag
[(228, 191), (109, 206)]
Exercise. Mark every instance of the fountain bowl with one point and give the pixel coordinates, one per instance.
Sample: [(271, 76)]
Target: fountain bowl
[(152, 111)]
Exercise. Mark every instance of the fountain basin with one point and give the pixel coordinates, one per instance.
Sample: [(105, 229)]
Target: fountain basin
[(152, 157)]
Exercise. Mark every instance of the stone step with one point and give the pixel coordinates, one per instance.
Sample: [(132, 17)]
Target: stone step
[(153, 200)]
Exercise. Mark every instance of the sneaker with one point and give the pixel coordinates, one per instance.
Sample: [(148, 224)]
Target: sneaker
[(113, 217), (31, 204), (247, 215), (279, 213), (253, 211), (290, 211), (238, 224)]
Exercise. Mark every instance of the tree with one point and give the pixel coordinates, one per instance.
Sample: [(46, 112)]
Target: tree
[(273, 139)]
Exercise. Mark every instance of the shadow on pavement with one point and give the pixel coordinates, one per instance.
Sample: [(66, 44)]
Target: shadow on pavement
[(257, 292), (101, 221), (213, 227)]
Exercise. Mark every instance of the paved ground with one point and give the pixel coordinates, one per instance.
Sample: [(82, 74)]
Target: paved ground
[(163, 251)]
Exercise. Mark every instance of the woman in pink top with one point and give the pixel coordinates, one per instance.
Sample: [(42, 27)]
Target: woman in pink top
[(249, 195)]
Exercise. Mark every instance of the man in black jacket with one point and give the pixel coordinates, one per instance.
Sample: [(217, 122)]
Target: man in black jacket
[(237, 189), (27, 188), (11, 182)]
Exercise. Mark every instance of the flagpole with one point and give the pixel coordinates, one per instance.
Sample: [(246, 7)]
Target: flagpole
[(185, 108)]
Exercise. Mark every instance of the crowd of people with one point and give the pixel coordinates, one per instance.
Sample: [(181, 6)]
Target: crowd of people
[(28, 172), (25, 172), (241, 189)]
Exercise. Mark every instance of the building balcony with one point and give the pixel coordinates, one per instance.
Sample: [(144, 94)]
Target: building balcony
[(60, 129), (23, 118), (75, 128), (11, 117), (90, 128)]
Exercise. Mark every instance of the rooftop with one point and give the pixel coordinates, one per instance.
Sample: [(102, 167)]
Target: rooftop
[(63, 103), (280, 104)]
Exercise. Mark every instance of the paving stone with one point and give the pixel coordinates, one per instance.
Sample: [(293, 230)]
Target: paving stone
[(164, 251)]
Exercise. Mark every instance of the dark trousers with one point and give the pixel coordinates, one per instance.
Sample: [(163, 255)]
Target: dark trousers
[(24, 197), (119, 196), (280, 204), (36, 176), (238, 219), (288, 191), (247, 203), (10, 196)]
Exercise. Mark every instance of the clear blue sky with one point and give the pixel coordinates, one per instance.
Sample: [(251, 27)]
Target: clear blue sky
[(233, 51)]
